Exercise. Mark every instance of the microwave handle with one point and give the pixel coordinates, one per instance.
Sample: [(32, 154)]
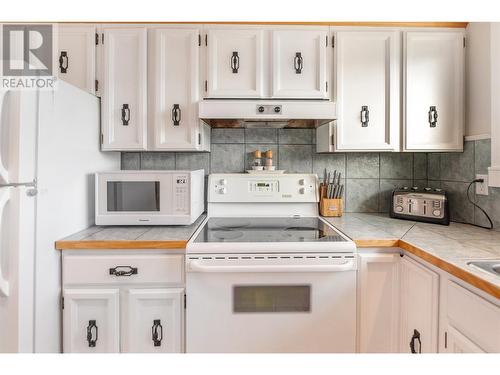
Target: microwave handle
[(196, 266)]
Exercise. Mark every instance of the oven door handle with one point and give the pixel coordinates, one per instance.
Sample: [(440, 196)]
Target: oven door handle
[(196, 266)]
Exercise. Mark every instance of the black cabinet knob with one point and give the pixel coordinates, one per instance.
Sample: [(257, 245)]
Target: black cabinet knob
[(277, 109), (261, 109)]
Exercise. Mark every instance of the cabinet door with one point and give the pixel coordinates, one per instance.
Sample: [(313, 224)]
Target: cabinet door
[(76, 56), (153, 321), (91, 321), (471, 315), (367, 90), (235, 63), (434, 91), (175, 81), (419, 308), (455, 342), (124, 93), (300, 63), (378, 303), (325, 137)]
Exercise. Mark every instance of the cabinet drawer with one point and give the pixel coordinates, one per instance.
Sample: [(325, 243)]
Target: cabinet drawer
[(473, 316), (123, 269)]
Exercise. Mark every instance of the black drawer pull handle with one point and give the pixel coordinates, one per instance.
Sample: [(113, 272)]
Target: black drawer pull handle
[(235, 62), (125, 114), (415, 338), (123, 271), (176, 114), (90, 328), (157, 332), (365, 116), (63, 62), (298, 63), (433, 116)]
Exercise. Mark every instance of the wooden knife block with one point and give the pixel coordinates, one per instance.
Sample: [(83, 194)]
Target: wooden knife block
[(331, 207)]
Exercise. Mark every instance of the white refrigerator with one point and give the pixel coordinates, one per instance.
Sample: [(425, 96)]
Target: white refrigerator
[(49, 150)]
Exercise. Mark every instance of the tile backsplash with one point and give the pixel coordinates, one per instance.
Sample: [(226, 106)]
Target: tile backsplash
[(369, 177)]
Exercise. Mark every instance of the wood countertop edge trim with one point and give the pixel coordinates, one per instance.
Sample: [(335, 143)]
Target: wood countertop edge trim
[(390, 242), (460, 273), (115, 245)]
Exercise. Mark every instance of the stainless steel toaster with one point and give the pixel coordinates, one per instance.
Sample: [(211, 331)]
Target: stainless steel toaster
[(421, 204)]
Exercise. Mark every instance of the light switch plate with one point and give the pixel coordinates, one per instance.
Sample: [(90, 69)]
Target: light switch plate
[(482, 187)]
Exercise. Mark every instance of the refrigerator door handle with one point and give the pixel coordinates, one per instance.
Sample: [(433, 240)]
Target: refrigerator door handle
[(19, 184), (4, 284)]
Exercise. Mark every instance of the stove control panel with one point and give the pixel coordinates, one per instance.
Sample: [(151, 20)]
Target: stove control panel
[(263, 186), (243, 187)]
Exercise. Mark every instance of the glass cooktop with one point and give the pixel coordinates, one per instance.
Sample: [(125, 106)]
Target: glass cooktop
[(268, 229)]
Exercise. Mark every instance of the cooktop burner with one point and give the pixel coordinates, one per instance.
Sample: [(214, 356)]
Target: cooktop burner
[(268, 229)]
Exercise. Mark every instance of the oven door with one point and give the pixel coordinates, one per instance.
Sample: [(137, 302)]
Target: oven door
[(271, 303)]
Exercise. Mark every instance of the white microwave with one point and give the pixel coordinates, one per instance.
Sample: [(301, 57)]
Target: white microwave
[(149, 197)]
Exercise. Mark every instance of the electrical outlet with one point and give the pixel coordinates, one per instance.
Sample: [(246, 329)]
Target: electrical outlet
[(482, 187)]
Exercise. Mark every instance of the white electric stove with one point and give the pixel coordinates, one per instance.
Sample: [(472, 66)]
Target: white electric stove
[(265, 273)]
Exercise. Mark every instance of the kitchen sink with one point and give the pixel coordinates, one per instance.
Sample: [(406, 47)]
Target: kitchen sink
[(490, 266)]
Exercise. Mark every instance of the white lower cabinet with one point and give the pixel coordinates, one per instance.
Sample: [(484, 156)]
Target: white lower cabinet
[(153, 320), (455, 342), (91, 321), (378, 305), (469, 322), (129, 302), (419, 308), (409, 306)]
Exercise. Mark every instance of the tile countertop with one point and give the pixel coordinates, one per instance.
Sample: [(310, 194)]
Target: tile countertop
[(131, 237), (447, 247)]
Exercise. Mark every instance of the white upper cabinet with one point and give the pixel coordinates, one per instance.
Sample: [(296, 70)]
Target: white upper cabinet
[(174, 88), (76, 56), (124, 112), (419, 308), (434, 91), (235, 63), (299, 63), (367, 72)]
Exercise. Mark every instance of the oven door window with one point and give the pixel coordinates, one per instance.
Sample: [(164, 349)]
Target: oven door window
[(271, 298), (133, 196)]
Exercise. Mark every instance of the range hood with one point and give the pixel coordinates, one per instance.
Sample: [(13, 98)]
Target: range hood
[(266, 113)]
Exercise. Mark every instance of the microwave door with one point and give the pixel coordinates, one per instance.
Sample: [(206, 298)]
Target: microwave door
[(133, 196)]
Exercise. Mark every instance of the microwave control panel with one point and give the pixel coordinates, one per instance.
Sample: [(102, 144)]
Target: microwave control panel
[(181, 193)]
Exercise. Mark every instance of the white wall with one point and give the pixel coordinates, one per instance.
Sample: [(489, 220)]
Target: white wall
[(494, 172), (478, 80), (68, 157)]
